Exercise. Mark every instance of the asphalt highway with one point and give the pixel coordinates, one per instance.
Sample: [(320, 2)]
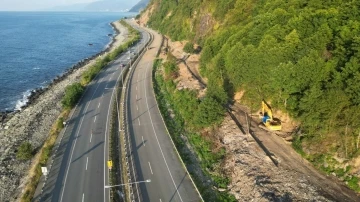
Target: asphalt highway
[(154, 155), (79, 171)]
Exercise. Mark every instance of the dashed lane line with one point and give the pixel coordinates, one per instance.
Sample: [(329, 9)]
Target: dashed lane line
[(162, 153), (150, 168)]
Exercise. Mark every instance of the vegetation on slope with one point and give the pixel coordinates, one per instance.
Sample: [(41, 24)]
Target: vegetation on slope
[(183, 113), (303, 56)]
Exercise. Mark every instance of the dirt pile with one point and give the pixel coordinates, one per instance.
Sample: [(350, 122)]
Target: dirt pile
[(188, 66)]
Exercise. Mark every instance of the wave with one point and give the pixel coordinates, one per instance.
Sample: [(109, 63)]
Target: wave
[(36, 68), (23, 101)]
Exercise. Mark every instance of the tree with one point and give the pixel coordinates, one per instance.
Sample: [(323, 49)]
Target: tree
[(209, 112)]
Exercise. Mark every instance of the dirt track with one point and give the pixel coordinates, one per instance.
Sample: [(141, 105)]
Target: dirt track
[(275, 172)]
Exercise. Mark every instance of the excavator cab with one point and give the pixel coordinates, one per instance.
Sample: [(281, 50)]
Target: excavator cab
[(267, 118)]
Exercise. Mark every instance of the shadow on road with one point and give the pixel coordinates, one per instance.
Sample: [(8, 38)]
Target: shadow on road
[(88, 151), (138, 81), (141, 144), (143, 113), (177, 188)]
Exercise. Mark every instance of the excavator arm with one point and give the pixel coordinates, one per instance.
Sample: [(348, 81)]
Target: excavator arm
[(267, 117)]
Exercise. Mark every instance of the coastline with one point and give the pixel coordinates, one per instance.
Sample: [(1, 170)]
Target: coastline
[(34, 121), (5, 115)]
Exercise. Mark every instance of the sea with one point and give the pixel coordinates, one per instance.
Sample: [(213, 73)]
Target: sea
[(35, 47)]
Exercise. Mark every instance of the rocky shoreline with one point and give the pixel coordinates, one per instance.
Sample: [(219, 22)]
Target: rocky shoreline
[(34, 121)]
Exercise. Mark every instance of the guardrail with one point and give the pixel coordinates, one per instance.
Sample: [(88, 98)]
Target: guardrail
[(134, 192)]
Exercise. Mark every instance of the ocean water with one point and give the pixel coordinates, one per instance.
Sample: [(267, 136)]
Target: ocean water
[(35, 47)]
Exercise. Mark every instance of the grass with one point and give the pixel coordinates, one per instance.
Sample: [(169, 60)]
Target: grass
[(124, 166), (113, 152)]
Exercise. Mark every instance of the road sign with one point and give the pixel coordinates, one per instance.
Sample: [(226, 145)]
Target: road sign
[(109, 163), (44, 170)]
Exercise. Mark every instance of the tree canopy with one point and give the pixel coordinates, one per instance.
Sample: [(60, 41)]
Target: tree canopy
[(302, 55)]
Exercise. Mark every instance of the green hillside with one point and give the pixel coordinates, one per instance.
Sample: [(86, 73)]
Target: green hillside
[(301, 55)]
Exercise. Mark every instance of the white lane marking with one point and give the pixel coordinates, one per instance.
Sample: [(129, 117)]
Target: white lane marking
[(83, 198), (72, 152), (150, 168), (77, 134), (94, 119), (162, 153), (99, 105), (87, 161), (160, 200), (139, 121), (137, 108), (142, 137), (90, 136)]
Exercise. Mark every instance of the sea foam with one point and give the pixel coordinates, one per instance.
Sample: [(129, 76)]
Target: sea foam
[(23, 101)]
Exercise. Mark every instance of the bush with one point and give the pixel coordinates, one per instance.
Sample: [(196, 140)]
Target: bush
[(353, 183), (189, 48), (93, 71), (72, 95), (25, 151), (45, 154), (171, 70), (59, 123), (209, 112)]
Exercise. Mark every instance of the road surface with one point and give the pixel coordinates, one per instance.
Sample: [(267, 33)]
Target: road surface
[(153, 152), (79, 171)]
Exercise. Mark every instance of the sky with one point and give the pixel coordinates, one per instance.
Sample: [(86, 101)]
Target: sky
[(33, 5)]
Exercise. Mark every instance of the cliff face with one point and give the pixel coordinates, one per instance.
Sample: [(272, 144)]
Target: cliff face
[(301, 56)]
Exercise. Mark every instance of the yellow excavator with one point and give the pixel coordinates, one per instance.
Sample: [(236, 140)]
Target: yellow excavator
[(267, 118)]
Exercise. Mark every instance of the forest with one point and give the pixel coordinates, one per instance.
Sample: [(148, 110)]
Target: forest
[(301, 56)]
